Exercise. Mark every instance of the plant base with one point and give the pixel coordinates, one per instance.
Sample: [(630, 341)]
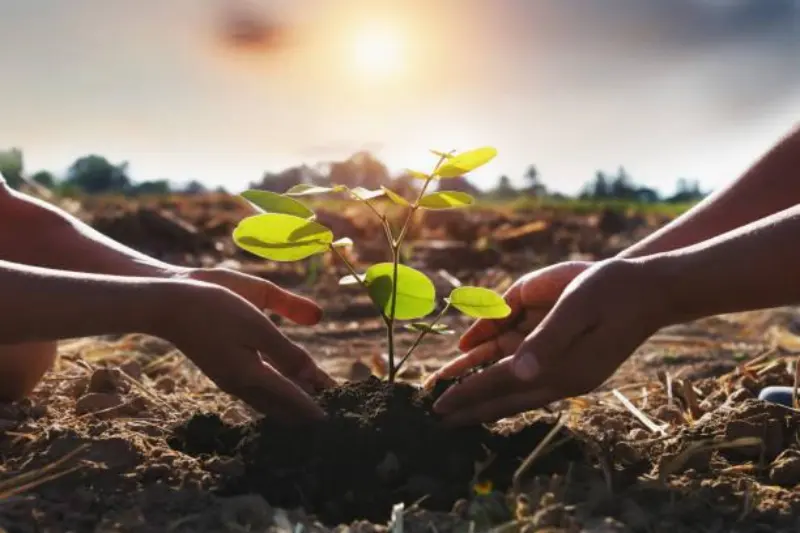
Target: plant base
[(381, 445)]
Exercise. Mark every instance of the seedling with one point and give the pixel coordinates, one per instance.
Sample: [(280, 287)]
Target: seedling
[(286, 230)]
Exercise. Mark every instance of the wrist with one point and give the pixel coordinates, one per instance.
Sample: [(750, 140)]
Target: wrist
[(680, 298)]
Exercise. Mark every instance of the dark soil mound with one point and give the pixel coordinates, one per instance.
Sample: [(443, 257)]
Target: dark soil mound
[(381, 445)]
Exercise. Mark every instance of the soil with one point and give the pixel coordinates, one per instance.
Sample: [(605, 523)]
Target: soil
[(380, 446)]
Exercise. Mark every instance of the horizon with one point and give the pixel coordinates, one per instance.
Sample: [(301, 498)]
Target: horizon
[(695, 89)]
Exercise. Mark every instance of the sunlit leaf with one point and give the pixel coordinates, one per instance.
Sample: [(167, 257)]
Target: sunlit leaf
[(281, 237), (446, 200), (437, 329), (365, 194), (271, 202), (351, 279), (464, 162), (343, 242), (479, 302), (306, 189), (416, 295), (417, 174), (393, 196)]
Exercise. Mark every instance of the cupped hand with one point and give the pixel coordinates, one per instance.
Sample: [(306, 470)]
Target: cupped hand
[(237, 346), (601, 317), (264, 295), (530, 298)]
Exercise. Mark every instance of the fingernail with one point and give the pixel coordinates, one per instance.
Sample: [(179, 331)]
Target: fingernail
[(525, 366)]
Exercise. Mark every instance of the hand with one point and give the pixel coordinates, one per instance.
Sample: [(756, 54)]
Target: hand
[(530, 298), (242, 351), (264, 294), (602, 316), (261, 293)]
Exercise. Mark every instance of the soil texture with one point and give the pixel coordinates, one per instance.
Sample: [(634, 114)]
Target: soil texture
[(381, 445)]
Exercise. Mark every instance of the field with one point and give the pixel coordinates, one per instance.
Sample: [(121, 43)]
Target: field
[(125, 435)]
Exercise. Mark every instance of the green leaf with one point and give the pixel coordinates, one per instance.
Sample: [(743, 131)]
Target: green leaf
[(271, 202), (479, 302), (351, 279), (281, 237), (464, 162), (396, 198), (416, 295), (365, 194), (446, 200), (417, 174), (436, 329), (343, 242), (305, 189)]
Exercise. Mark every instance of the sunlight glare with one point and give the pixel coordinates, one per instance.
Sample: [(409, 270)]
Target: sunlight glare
[(377, 51)]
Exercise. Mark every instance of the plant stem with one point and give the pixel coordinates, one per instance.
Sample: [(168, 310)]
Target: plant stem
[(422, 336), (395, 244), (355, 275)]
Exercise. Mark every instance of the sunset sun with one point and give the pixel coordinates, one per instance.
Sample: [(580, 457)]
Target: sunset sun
[(377, 52)]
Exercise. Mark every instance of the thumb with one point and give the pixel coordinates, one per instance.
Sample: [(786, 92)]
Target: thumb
[(564, 324)]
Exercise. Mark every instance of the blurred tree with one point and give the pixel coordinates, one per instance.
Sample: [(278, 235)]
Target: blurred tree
[(12, 166), (686, 191), (597, 188), (535, 185), (153, 187), (504, 189), (195, 187), (45, 178), (94, 174)]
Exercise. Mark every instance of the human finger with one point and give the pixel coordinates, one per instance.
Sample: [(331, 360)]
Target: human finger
[(477, 388), (276, 396), (489, 351), (298, 309), (502, 406), (483, 329)]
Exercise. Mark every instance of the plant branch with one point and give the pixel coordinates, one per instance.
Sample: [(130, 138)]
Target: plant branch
[(415, 205), (421, 336), (353, 272)]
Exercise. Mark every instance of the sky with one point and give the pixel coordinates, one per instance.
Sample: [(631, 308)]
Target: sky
[(666, 88)]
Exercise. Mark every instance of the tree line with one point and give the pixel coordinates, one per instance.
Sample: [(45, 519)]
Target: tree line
[(94, 174)]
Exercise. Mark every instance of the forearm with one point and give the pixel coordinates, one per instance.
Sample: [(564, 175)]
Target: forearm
[(753, 267), (771, 185), (39, 304), (33, 232)]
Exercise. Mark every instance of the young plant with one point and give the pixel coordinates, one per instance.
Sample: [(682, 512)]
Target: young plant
[(286, 230)]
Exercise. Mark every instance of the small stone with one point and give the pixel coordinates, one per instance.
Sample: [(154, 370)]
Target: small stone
[(638, 434), (94, 402), (785, 469), (739, 395), (360, 372), (670, 413), (165, 384), (132, 368), (76, 388), (109, 405), (234, 415), (625, 452), (108, 380)]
